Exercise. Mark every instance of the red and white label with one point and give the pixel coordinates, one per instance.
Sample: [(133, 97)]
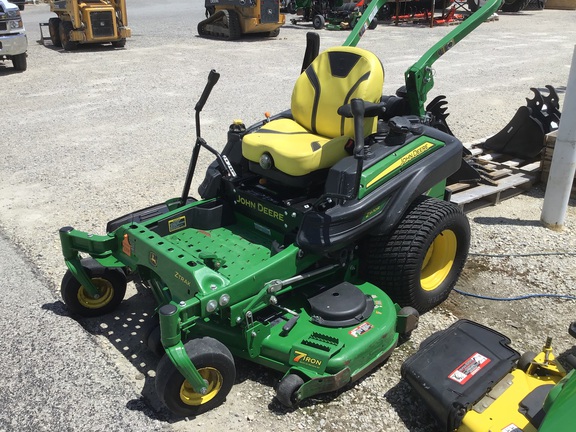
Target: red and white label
[(361, 329), (470, 367)]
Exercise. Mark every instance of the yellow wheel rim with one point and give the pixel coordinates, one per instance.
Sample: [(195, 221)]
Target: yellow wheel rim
[(438, 260), (105, 290), (214, 380)]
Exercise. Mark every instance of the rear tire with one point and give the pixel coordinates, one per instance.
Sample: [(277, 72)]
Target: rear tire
[(216, 365), (419, 262), (20, 62), (54, 30), (65, 29)]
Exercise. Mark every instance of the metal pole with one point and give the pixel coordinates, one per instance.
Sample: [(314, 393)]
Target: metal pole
[(563, 165)]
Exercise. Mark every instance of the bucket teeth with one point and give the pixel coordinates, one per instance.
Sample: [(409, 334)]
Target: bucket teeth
[(545, 108), (438, 108)]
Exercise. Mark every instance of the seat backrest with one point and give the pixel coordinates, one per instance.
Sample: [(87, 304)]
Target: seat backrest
[(333, 79)]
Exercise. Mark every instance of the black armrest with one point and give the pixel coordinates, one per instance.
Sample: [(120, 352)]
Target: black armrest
[(370, 109)]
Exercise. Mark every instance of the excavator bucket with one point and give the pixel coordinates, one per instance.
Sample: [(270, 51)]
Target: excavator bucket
[(524, 135)]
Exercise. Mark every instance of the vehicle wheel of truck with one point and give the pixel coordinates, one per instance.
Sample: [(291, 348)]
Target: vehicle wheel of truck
[(119, 43), (20, 62), (419, 262), (64, 30), (286, 392), (111, 283), (54, 30), (216, 365)]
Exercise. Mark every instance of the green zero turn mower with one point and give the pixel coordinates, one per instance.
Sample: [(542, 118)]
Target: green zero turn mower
[(320, 235)]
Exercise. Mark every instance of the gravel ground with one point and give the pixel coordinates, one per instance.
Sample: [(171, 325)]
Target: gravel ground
[(100, 132)]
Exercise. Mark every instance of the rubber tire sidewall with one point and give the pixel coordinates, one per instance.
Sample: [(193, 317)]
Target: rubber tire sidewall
[(54, 30), (203, 352), (393, 262), (65, 29), (70, 287), (287, 388), (318, 22), (20, 62)]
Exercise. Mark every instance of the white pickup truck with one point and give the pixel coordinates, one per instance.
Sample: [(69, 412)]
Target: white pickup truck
[(13, 41)]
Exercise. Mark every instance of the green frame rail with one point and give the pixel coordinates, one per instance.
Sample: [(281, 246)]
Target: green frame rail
[(419, 77)]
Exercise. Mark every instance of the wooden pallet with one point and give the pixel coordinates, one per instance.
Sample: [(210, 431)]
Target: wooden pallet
[(506, 177)]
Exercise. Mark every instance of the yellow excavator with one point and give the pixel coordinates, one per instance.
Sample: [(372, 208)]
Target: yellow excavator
[(230, 19), (87, 21)]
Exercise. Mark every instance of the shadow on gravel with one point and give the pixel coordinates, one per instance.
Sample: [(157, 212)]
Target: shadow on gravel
[(7, 70), (506, 221), (402, 399), (82, 48), (127, 330), (246, 37)]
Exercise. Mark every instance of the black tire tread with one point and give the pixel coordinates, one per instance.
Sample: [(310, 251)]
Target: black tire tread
[(65, 29), (286, 389), (54, 29), (70, 286), (234, 25), (393, 261), (20, 62), (203, 352)]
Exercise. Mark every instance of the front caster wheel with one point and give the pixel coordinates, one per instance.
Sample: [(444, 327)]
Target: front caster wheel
[(318, 22), (111, 285), (214, 363), (286, 392)]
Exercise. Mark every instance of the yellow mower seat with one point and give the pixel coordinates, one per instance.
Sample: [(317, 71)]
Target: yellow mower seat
[(316, 137)]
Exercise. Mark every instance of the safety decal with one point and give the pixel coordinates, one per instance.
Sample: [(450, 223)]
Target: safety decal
[(126, 246), (361, 329), (177, 223), (469, 368)]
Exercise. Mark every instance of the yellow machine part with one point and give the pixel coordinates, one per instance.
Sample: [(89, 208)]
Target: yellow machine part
[(251, 20), (79, 13), (291, 146), (501, 413), (317, 136)]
